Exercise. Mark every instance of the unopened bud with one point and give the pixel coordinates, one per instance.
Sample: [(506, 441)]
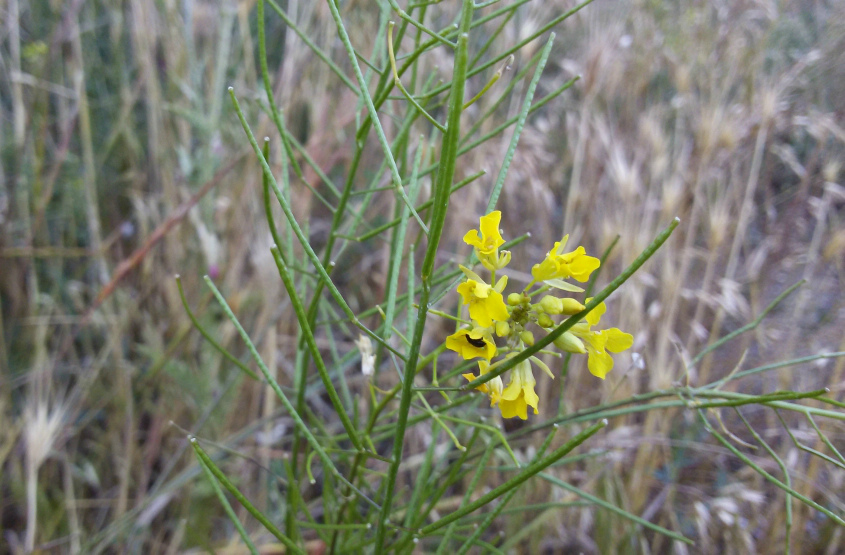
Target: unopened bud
[(502, 329), (569, 343), (515, 299), (489, 262), (551, 304), (545, 321), (527, 337), (504, 259), (571, 306)]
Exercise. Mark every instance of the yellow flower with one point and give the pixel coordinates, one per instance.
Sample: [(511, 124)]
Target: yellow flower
[(598, 343), (493, 388), (488, 243), (575, 264), (519, 395), (485, 301), (490, 240), (472, 343)]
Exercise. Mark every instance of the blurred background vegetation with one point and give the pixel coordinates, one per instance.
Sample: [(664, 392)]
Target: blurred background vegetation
[(123, 164)]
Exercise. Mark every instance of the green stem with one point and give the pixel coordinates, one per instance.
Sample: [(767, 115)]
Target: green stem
[(226, 505), (211, 467), (441, 203), (371, 109), (520, 124), (303, 240), (229, 356), (531, 471), (308, 335), (274, 385), (613, 508)]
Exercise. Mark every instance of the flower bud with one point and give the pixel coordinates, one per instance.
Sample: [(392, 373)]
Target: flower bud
[(488, 262), (545, 321), (569, 343), (515, 299), (551, 304), (527, 337), (502, 329), (504, 259), (571, 306)]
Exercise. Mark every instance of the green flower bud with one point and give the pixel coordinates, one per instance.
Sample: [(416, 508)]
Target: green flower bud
[(569, 343), (502, 329), (504, 259), (545, 321), (571, 306), (551, 304), (527, 337), (515, 299)]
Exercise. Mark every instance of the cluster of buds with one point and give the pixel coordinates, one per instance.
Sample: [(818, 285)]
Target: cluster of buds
[(513, 319)]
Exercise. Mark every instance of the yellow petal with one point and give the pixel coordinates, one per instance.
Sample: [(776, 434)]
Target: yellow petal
[(547, 269), (560, 245), (531, 397), (471, 238), (465, 290), (496, 306), (489, 225), (618, 340), (517, 407), (581, 265), (465, 344), (471, 377), (513, 391), (595, 315), (479, 313), (599, 363)]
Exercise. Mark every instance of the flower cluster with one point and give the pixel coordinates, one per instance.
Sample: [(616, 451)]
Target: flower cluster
[(512, 319)]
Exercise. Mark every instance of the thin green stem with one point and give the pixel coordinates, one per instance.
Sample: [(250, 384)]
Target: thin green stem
[(786, 478), (404, 15), (747, 327), (371, 109), (531, 471), (306, 432), (613, 508), (303, 240), (757, 468), (209, 465), (398, 82), (227, 506), (442, 190), (229, 356), (308, 335), (423, 206), (520, 124), (493, 80)]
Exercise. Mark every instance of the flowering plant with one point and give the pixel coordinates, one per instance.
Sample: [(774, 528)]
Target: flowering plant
[(514, 322)]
